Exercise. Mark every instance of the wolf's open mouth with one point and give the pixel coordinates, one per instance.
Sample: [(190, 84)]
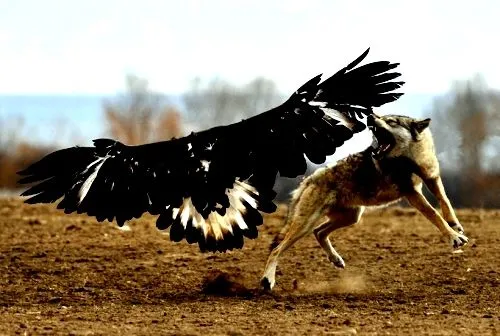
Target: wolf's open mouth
[(383, 141)]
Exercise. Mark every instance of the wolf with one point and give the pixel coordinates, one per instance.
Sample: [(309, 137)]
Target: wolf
[(400, 159)]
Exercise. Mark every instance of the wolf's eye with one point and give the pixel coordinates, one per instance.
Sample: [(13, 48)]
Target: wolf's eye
[(392, 123)]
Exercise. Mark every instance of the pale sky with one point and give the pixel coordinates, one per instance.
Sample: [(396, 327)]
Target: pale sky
[(86, 47)]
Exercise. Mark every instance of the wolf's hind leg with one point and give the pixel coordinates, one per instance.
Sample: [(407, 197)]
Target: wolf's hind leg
[(297, 231), (419, 202), (436, 186), (300, 222), (337, 218)]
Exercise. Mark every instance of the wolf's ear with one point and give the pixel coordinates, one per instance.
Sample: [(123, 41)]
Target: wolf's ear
[(421, 125)]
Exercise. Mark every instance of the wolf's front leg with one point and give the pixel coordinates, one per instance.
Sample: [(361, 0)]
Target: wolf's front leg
[(419, 202), (436, 186)]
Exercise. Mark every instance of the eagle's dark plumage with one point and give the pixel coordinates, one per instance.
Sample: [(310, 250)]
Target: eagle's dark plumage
[(208, 187)]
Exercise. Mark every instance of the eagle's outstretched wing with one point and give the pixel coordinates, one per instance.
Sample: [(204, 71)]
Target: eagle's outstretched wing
[(209, 186)]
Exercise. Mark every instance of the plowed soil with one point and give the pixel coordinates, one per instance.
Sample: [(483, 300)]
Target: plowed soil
[(70, 275)]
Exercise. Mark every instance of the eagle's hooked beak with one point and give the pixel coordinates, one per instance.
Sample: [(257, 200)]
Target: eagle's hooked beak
[(370, 121)]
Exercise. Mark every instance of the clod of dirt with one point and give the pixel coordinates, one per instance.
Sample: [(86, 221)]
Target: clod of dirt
[(55, 299), (348, 331), (39, 255), (36, 221), (73, 227), (224, 284)]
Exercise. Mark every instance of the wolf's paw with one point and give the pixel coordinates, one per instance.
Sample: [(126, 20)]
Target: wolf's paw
[(457, 227), (337, 261), (266, 283), (458, 240)]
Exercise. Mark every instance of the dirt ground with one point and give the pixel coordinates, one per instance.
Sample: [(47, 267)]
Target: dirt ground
[(70, 275)]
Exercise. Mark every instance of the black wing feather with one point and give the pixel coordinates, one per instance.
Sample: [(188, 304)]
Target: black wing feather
[(209, 186)]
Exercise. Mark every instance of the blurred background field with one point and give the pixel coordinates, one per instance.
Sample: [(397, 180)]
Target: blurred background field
[(145, 71)]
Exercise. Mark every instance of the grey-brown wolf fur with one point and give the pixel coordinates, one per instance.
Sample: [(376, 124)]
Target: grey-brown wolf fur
[(340, 193)]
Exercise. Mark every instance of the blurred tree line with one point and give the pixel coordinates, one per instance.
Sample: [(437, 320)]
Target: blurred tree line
[(140, 115), (15, 152), (466, 128), (465, 124)]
